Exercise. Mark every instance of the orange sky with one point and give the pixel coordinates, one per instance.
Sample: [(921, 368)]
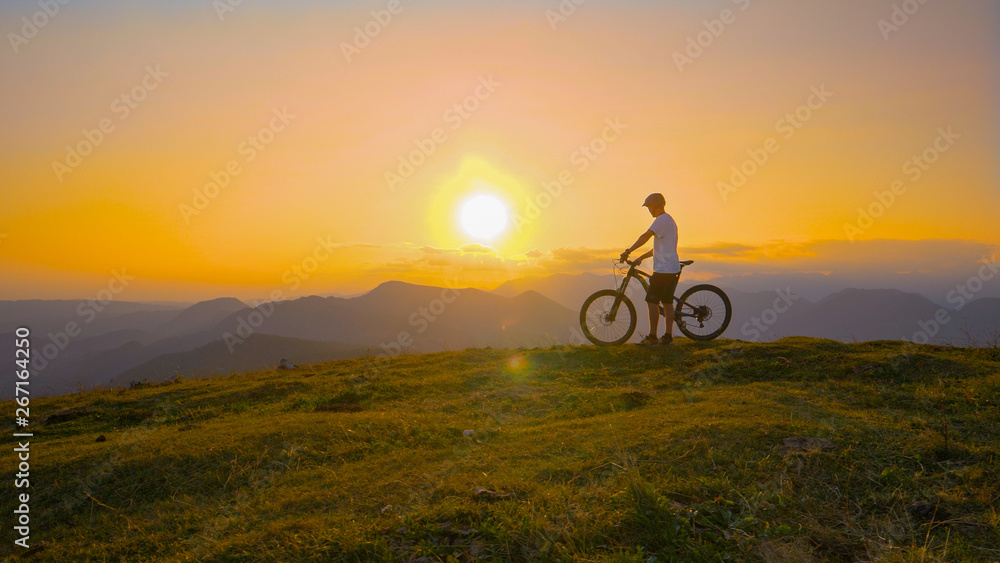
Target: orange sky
[(543, 93)]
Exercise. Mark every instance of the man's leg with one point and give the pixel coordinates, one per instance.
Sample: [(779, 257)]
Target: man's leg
[(668, 306), (654, 318), (668, 318)]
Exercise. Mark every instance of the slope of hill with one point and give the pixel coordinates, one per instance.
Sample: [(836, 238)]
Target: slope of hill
[(848, 315), (797, 450), (434, 318), (863, 314), (425, 318), (568, 290), (748, 306), (44, 315), (216, 357), (202, 315), (976, 324)]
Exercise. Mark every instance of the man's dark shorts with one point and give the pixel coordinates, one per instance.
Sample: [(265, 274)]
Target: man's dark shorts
[(661, 288)]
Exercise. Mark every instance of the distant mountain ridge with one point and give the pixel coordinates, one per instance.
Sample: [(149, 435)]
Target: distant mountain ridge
[(436, 318), (220, 335), (394, 317), (262, 350), (846, 315), (202, 315)]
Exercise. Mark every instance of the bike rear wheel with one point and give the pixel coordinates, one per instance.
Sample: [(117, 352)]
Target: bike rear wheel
[(596, 323), (703, 313)]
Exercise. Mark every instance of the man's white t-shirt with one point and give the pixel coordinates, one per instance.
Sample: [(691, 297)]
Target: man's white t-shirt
[(665, 260)]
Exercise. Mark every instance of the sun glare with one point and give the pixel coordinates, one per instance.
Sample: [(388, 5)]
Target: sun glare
[(483, 216)]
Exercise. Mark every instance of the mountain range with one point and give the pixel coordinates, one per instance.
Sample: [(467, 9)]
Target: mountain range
[(82, 344)]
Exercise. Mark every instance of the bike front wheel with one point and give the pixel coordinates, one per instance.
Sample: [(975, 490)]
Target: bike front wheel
[(703, 313), (601, 324)]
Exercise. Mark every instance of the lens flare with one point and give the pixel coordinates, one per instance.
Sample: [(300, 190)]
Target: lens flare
[(517, 363)]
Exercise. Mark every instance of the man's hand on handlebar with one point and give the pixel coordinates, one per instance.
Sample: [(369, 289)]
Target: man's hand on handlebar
[(624, 257)]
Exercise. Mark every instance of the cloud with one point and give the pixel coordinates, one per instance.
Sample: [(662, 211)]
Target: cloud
[(583, 256), (477, 249), (924, 265), (729, 249)]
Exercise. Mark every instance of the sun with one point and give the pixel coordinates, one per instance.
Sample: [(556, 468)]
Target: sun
[(483, 216)]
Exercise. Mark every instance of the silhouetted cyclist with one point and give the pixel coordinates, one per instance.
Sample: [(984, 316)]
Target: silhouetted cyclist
[(666, 267)]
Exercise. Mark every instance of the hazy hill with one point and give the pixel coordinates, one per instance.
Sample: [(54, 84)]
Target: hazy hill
[(847, 315), (215, 358), (42, 315), (568, 290), (319, 328), (202, 315), (978, 320), (797, 450), (400, 317), (748, 305), (108, 342), (865, 314), (471, 318)]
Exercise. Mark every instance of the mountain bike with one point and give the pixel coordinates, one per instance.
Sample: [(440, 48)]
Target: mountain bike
[(703, 312)]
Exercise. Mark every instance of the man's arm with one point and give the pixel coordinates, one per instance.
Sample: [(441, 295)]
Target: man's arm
[(643, 239)]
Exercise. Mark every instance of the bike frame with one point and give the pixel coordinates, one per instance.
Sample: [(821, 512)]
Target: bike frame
[(643, 277)]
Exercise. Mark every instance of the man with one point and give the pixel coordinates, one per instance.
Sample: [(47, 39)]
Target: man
[(666, 267)]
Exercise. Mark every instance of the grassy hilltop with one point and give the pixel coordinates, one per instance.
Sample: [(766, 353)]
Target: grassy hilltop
[(576, 453)]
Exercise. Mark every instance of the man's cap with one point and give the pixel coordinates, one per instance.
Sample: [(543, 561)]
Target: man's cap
[(654, 200)]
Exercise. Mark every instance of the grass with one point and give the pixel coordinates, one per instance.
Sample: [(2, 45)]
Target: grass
[(577, 454)]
